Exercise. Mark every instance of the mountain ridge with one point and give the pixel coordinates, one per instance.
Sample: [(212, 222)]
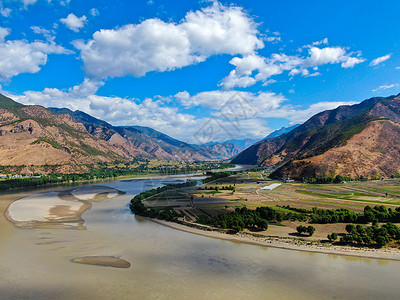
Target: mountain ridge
[(327, 130)]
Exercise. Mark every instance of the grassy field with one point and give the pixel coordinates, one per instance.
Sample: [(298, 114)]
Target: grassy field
[(248, 192)]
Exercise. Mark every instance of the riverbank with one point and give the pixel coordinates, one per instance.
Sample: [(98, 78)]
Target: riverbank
[(288, 243)]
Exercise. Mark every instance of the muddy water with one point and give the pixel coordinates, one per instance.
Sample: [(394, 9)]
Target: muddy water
[(170, 264)]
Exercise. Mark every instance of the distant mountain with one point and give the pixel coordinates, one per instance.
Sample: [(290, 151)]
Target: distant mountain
[(246, 143), (243, 144), (356, 140), (281, 131), (147, 142)]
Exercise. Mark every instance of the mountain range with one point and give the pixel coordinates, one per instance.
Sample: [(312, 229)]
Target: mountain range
[(35, 137), (354, 141)]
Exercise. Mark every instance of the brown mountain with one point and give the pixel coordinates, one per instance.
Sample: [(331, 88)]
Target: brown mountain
[(34, 137), (145, 141), (354, 141), (59, 140)]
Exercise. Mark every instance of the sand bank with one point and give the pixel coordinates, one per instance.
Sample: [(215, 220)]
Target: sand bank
[(288, 243), (57, 209), (104, 261)]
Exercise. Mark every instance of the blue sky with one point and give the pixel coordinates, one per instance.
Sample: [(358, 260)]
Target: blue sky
[(198, 70)]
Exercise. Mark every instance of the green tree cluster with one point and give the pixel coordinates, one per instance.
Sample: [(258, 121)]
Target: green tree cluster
[(306, 229), (372, 235), (238, 220)]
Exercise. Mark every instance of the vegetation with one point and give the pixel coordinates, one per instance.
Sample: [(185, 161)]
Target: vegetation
[(51, 142), (342, 215), (332, 237), (244, 218), (330, 179), (306, 229), (238, 220), (139, 209), (369, 236), (371, 214)]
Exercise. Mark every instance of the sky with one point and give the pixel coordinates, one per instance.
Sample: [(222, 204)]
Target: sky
[(199, 71)]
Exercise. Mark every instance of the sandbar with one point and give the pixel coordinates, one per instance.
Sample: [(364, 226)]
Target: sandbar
[(104, 261)]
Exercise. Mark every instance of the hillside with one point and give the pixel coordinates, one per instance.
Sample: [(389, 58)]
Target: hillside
[(313, 148), (34, 137), (41, 140), (147, 142)]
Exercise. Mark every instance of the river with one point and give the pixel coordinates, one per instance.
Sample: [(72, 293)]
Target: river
[(170, 264)]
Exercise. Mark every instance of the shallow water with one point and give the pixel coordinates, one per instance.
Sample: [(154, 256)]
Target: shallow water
[(170, 264)]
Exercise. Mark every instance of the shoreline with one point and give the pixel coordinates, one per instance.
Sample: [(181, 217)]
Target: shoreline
[(295, 244)]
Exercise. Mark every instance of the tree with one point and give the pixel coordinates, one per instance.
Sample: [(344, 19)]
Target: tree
[(262, 224), (360, 229), (332, 237), (382, 240), (301, 229), (350, 228), (310, 230)]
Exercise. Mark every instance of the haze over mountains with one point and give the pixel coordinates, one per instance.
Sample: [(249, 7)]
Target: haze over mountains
[(33, 137), (357, 140)]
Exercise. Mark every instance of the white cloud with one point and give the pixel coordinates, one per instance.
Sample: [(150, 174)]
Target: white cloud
[(380, 60), (65, 2), (297, 115), (218, 99), (155, 45), (5, 12), (324, 41), (48, 34), (73, 22), (385, 87), (331, 55), (3, 33), (20, 56), (94, 12), (28, 2), (253, 68)]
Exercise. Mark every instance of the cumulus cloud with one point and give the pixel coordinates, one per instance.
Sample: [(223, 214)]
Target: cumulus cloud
[(218, 100), (298, 115), (73, 22), (245, 114), (155, 45), (20, 56), (380, 60), (330, 55), (252, 68)]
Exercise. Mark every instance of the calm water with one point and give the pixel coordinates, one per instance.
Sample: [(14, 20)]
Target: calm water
[(170, 264)]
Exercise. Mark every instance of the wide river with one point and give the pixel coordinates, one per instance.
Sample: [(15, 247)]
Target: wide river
[(171, 264)]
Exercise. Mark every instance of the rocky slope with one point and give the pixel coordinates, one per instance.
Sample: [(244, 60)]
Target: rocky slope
[(33, 136), (357, 140), (147, 142)]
